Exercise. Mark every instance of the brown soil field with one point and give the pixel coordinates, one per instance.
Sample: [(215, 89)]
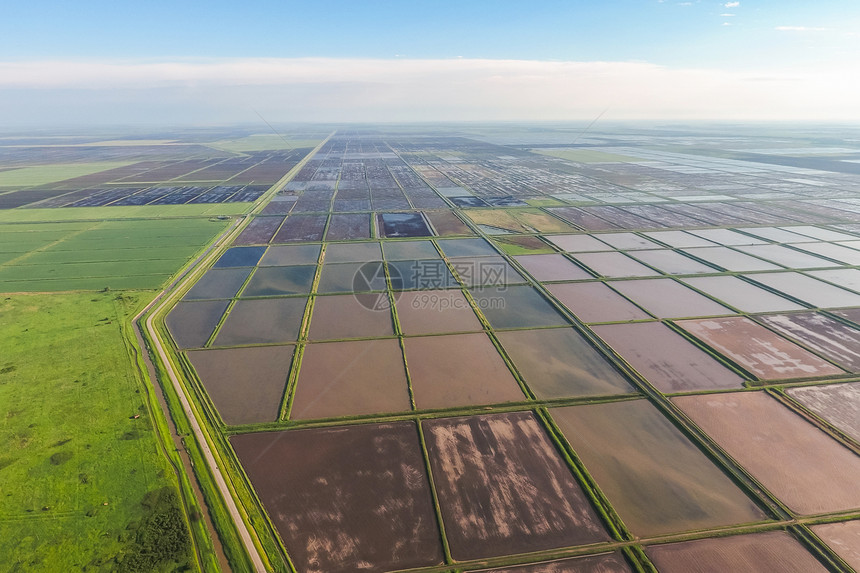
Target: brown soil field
[(804, 467), (348, 226), (843, 538), (259, 231), (447, 224), (658, 481), (321, 489), (301, 228), (757, 349), (770, 552), (504, 489)]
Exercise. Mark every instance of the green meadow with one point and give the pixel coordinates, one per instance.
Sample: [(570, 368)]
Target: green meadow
[(83, 485)]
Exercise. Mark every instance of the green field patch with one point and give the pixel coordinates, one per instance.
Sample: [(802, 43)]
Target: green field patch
[(522, 245), (26, 244), (42, 174), (130, 212), (84, 486), (115, 283), (518, 220), (52, 256), (544, 202), (36, 271), (581, 155), (34, 229)]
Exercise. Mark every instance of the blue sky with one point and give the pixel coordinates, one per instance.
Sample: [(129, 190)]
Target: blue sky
[(763, 39)]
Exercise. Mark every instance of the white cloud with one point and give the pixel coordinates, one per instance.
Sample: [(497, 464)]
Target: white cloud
[(732, 4), (323, 89), (799, 29)]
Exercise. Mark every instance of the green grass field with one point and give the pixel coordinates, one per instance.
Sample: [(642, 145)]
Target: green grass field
[(124, 254), (131, 212), (82, 483), (42, 174)]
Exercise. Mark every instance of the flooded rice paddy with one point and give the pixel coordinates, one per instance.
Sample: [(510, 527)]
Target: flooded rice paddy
[(436, 312), (516, 307), (220, 283), (558, 362), (666, 359), (808, 289), (262, 321), (801, 465), (246, 384), (342, 308), (742, 295), (472, 373), (596, 302), (351, 316), (666, 298), (282, 255), (350, 379), (658, 481), (552, 267), (672, 262), (615, 265), (192, 323), (276, 281), (769, 552)]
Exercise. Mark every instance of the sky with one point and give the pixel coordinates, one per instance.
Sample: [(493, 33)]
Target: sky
[(191, 62)]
